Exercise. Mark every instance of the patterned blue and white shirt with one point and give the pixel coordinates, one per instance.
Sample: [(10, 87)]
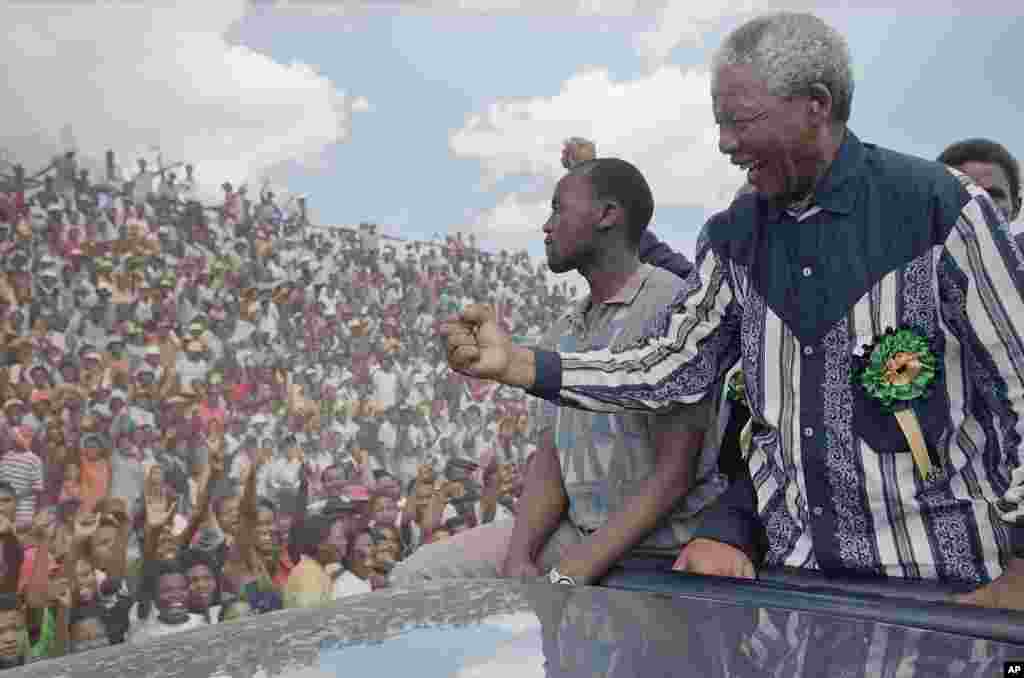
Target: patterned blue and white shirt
[(889, 240)]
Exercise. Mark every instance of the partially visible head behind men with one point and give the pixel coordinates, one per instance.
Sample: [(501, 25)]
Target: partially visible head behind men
[(992, 167), (782, 90)]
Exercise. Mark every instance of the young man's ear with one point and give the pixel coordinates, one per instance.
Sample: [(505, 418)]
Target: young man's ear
[(612, 214)]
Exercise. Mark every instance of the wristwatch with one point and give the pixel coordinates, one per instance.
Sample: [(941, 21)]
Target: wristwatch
[(555, 577)]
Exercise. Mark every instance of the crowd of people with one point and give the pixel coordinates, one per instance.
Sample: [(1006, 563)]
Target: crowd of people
[(218, 410)]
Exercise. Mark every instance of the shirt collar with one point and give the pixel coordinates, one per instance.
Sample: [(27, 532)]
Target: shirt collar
[(836, 192), (627, 293), (625, 296)]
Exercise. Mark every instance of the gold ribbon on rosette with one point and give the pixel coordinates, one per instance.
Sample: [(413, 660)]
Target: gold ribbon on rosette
[(901, 370)]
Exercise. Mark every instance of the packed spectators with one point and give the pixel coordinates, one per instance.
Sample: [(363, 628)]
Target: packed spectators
[(213, 411)]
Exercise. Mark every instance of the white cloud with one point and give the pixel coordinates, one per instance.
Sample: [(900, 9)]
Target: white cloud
[(129, 77), (520, 656), (686, 23), (662, 123), (515, 622), (564, 8), (513, 224)]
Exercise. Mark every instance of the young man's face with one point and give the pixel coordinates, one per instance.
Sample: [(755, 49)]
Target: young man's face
[(201, 587), (86, 581), (264, 531), (385, 511), (337, 540), (172, 596), (362, 556), (228, 515), (104, 543)]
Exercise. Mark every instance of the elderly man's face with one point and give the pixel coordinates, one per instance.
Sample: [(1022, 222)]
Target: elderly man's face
[(773, 137), (994, 180)]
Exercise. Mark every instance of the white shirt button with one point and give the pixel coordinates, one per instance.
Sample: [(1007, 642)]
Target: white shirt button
[(807, 271), (818, 510), (808, 350), (808, 432)]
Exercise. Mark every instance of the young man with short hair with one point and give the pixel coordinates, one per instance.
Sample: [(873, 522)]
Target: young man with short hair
[(601, 488)]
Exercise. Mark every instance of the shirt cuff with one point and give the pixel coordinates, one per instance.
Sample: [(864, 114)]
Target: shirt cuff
[(547, 381)]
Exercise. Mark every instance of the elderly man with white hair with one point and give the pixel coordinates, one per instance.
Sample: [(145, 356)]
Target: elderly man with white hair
[(874, 301)]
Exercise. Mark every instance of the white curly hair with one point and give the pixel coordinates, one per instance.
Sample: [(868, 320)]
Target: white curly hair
[(790, 52)]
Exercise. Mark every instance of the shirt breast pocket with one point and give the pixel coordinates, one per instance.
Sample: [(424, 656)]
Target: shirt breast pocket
[(881, 431)]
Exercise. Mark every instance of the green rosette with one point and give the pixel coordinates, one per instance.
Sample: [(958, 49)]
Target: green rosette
[(899, 368)]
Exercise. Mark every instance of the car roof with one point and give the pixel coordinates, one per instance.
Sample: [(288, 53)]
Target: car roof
[(512, 628)]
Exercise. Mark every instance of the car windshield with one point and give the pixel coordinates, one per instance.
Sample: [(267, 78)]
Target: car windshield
[(257, 257)]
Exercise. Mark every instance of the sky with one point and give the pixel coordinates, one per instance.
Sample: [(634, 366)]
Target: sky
[(500, 646), (446, 116)]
